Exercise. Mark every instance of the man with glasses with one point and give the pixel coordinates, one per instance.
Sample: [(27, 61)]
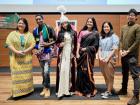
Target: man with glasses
[(129, 44)]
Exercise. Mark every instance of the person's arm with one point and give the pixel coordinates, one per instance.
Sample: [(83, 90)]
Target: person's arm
[(100, 49), (110, 55), (99, 53), (121, 39), (45, 44), (60, 40), (78, 44), (32, 44), (77, 52), (120, 43), (57, 29), (136, 42), (52, 37), (135, 45), (115, 40), (9, 44), (75, 43), (15, 51)]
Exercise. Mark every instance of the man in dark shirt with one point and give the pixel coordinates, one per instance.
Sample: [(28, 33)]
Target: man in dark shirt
[(129, 44)]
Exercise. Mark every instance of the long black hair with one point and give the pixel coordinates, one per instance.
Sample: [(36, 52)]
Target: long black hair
[(62, 30), (103, 34), (94, 28), (26, 24), (69, 28), (39, 15)]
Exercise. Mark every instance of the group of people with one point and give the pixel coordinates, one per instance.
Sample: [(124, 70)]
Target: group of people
[(76, 56)]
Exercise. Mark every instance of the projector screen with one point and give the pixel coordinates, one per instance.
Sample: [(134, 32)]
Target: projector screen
[(71, 5)]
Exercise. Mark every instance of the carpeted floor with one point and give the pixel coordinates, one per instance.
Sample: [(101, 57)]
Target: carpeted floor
[(35, 95), (53, 69)]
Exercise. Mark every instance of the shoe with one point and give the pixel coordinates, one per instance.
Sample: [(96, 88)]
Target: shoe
[(16, 98), (72, 93), (102, 94), (47, 93), (106, 95), (94, 93), (43, 92), (68, 95), (122, 92), (88, 95), (114, 92), (56, 94), (106, 92), (133, 101), (60, 98)]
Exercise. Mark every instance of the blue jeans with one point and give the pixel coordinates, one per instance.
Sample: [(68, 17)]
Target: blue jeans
[(45, 65)]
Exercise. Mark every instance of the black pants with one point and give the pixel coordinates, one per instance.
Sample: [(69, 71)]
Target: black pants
[(129, 62)]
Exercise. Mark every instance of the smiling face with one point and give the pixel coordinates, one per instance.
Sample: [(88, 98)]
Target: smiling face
[(106, 28), (132, 18), (64, 25), (21, 26), (89, 23), (39, 20)]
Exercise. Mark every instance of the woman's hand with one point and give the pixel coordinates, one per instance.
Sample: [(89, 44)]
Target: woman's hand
[(101, 59), (83, 49), (106, 60), (20, 53), (77, 55), (61, 44), (26, 51)]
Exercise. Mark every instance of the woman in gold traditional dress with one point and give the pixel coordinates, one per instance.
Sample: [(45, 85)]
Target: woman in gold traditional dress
[(21, 42)]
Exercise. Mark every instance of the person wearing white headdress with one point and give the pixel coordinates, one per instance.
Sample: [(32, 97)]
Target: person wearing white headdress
[(66, 41)]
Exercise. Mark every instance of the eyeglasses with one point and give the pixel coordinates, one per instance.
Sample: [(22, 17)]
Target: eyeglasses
[(131, 14)]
